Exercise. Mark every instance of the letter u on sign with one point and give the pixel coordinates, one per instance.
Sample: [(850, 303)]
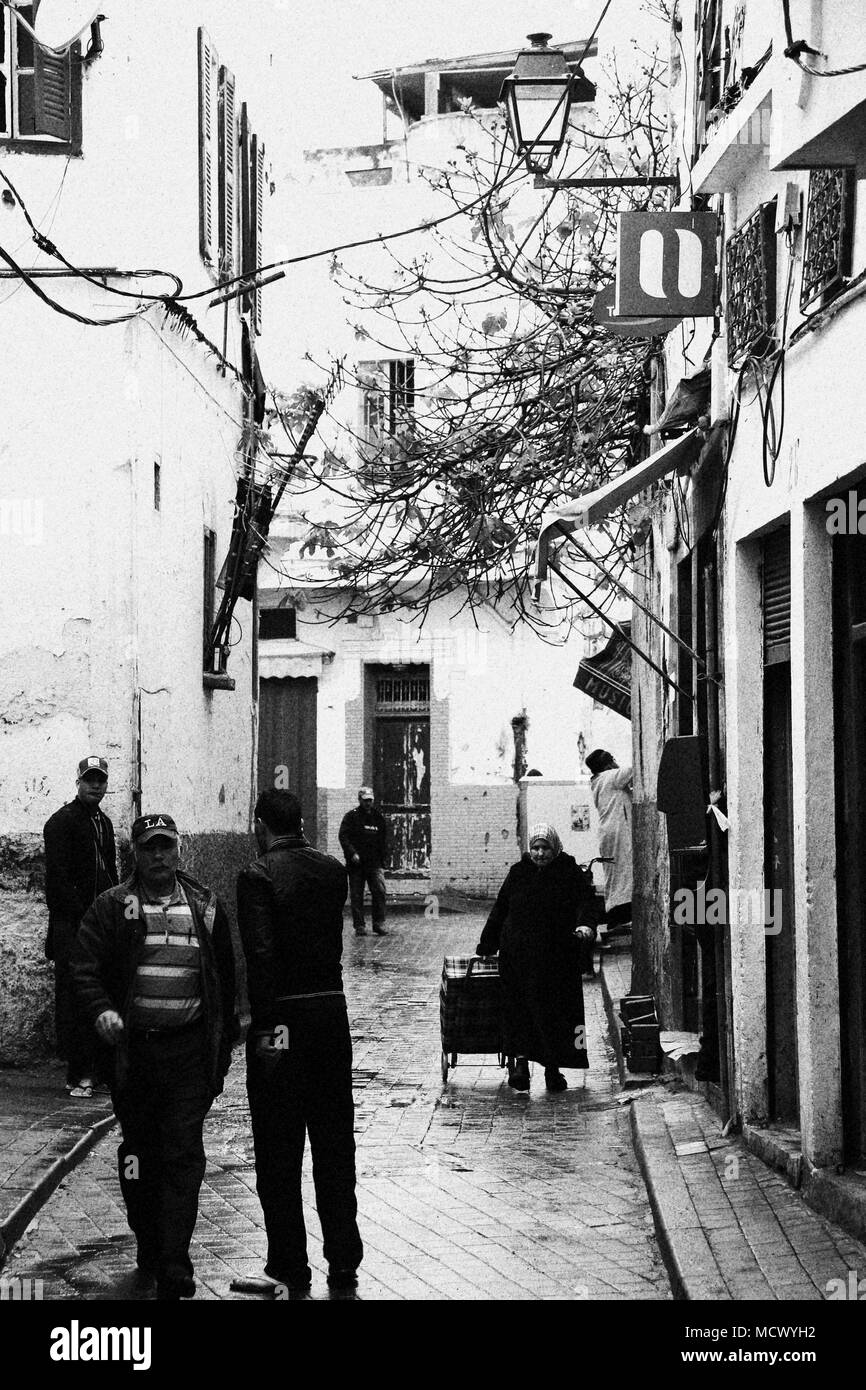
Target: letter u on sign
[(666, 264)]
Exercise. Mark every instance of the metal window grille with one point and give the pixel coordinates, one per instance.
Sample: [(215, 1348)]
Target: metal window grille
[(829, 226), (402, 694), (750, 276)]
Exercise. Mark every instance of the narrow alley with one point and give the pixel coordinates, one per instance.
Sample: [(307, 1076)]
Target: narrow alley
[(468, 1192)]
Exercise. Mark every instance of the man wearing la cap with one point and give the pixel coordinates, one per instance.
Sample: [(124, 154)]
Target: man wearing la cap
[(80, 863), (154, 972)]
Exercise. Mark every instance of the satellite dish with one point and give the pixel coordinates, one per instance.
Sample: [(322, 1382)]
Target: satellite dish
[(59, 23)]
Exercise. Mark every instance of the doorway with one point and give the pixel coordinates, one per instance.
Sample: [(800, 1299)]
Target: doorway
[(401, 765), (849, 696), (287, 741)]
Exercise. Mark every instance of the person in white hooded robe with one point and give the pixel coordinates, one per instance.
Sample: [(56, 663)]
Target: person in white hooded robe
[(611, 788)]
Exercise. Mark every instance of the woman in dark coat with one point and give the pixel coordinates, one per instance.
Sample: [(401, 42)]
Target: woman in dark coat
[(543, 920)]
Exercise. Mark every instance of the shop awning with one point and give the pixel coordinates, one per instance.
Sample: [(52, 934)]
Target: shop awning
[(606, 677), (592, 507)]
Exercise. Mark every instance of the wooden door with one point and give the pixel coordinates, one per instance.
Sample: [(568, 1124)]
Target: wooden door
[(287, 741), (849, 662), (401, 779)]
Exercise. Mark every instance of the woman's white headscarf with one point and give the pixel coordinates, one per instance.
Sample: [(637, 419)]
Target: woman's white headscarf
[(543, 831)]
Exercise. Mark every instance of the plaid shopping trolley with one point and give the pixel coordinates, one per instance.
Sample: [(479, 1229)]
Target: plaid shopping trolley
[(470, 1008)]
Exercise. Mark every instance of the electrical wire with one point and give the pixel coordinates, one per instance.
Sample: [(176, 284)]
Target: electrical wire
[(798, 46)]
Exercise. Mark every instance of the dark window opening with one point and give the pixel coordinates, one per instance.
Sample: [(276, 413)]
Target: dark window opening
[(277, 623), (157, 487), (208, 595)]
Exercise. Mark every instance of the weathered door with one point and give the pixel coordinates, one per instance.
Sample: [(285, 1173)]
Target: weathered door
[(287, 741), (849, 642), (780, 953), (401, 769)]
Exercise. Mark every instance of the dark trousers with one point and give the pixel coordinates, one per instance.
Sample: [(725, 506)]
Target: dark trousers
[(76, 1039), (306, 1090), (361, 875), (161, 1161)]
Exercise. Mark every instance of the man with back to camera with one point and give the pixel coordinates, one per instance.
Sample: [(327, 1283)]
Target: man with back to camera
[(154, 972), (80, 863), (364, 839), (299, 1049), (611, 787)]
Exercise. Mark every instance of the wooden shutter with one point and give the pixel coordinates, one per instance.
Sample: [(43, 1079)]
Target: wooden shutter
[(228, 173), (258, 217), (52, 94), (246, 203), (776, 596), (207, 144)]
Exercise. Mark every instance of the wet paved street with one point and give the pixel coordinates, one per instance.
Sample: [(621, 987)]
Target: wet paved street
[(468, 1191)]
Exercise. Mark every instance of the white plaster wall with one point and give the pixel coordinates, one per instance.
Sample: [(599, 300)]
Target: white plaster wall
[(104, 594)]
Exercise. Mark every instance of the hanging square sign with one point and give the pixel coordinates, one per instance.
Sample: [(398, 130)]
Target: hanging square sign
[(666, 264)]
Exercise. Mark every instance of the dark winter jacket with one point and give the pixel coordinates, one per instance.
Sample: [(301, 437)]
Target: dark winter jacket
[(74, 873), (364, 834), (532, 926), (290, 914), (106, 954)]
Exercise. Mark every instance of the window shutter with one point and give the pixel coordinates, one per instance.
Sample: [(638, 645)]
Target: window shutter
[(207, 144), (246, 203), (776, 596), (52, 94), (259, 215), (228, 173)]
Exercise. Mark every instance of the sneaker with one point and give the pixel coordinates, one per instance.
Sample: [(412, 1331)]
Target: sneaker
[(554, 1079), (80, 1092), (360, 931), (342, 1278), (379, 929)]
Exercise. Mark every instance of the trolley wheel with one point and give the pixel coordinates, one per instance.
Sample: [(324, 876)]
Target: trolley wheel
[(444, 1064)]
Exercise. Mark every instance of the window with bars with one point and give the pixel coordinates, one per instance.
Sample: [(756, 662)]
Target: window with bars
[(387, 398), (402, 694), (829, 228), (40, 92), (750, 281)]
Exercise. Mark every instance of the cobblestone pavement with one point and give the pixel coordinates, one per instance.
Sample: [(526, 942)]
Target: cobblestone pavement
[(469, 1191)]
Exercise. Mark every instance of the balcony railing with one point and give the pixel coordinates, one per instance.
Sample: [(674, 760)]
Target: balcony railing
[(829, 228), (750, 276)]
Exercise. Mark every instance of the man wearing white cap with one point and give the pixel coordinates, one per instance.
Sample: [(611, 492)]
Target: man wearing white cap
[(80, 863), (364, 839)]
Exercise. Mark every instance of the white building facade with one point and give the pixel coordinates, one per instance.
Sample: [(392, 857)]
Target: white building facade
[(121, 452)]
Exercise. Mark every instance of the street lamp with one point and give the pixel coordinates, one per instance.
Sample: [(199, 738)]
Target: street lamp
[(538, 96)]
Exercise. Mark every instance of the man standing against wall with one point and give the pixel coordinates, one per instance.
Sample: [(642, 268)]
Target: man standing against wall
[(299, 1049), (154, 972), (611, 791), (364, 838), (80, 863)]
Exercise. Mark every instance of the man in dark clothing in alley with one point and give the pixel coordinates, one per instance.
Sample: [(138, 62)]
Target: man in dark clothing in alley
[(80, 863), (154, 972), (364, 838), (299, 1049)]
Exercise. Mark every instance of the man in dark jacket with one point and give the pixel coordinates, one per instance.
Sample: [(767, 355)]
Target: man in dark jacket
[(154, 973), (299, 1049), (364, 838), (80, 863)]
